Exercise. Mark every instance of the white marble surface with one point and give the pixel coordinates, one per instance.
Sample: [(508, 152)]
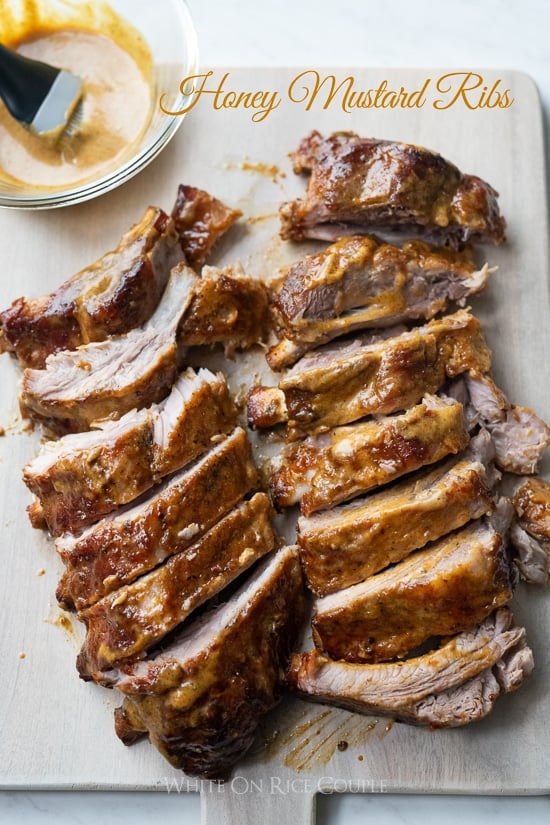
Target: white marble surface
[(424, 33)]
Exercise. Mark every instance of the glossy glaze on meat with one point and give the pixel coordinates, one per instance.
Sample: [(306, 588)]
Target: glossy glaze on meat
[(345, 382), (200, 220), (118, 549), (349, 543), (360, 282), (367, 185), (84, 476), (449, 586), (327, 469), (200, 699), (453, 685)]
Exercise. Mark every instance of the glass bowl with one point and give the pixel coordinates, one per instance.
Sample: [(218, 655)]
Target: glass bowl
[(169, 33)]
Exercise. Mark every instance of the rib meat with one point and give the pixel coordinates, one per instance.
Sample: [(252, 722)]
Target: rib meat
[(125, 624), (200, 699), (118, 292), (446, 588), (327, 469), (447, 687), (360, 282), (530, 534), (347, 382), (363, 185), (84, 476), (118, 549), (109, 378), (200, 219), (519, 435), (227, 307), (345, 545)]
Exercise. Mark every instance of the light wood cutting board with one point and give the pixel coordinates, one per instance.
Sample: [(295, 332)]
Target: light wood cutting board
[(56, 731)]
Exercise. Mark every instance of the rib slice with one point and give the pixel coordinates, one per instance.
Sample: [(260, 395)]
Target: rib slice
[(519, 435), (364, 185), (111, 377), (345, 545), (126, 623), (200, 219), (84, 476), (118, 292), (347, 382), (327, 469), (530, 534), (445, 588), (227, 307), (201, 698), (131, 542), (359, 283), (447, 687)]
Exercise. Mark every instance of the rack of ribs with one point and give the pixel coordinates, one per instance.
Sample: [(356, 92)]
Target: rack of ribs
[(126, 623), (359, 283), (368, 185), (230, 661), (122, 289), (327, 469), (349, 543), (135, 539), (83, 476), (346, 382), (445, 588), (450, 686)]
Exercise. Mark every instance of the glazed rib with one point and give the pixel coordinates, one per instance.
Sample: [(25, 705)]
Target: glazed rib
[(118, 292), (118, 549), (200, 220), (349, 543), (109, 378), (360, 283), (84, 476), (447, 687), (367, 185), (227, 307), (230, 661), (445, 588), (125, 624), (346, 382), (327, 469)]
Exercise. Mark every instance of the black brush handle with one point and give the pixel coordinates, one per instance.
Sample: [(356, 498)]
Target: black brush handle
[(24, 83)]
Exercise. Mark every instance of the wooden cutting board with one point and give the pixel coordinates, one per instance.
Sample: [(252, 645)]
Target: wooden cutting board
[(57, 731)]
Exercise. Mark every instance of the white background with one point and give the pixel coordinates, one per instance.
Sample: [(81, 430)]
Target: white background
[(425, 33)]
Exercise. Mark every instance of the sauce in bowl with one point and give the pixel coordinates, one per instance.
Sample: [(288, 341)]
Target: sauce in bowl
[(115, 111)]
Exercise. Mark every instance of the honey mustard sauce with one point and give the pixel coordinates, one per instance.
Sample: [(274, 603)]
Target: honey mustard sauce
[(116, 108)]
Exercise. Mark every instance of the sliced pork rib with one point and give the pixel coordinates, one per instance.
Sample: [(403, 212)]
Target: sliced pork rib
[(227, 307), (448, 687), (519, 435), (446, 588), (530, 533), (124, 624), (84, 476), (346, 382), (359, 283), (118, 292), (200, 219), (327, 469), (230, 661), (367, 185), (118, 549), (345, 545), (109, 378)]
